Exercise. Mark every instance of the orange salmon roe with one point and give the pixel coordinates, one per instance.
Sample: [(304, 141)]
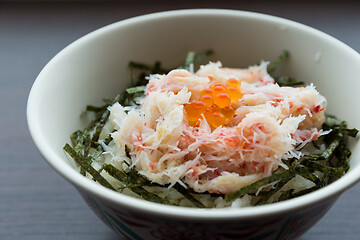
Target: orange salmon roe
[(228, 112), (194, 110), (222, 100), (218, 89), (234, 93), (215, 103), (232, 82), (216, 119), (207, 91), (207, 99), (208, 113), (215, 108)]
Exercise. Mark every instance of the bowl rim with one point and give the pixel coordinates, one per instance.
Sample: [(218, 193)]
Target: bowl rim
[(112, 197)]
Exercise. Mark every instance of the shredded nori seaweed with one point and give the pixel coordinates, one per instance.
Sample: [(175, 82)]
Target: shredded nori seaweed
[(193, 58), (275, 66), (332, 163), (134, 184), (87, 166)]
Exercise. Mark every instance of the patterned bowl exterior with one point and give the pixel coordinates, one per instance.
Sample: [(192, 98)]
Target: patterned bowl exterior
[(129, 224)]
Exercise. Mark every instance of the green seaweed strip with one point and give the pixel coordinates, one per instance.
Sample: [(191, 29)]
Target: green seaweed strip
[(202, 56), (80, 141), (288, 81), (96, 175), (351, 132), (82, 171), (147, 67), (193, 58), (119, 175), (100, 125), (335, 172), (189, 60), (122, 177), (316, 144), (90, 108), (271, 192), (140, 66), (286, 195), (77, 139), (343, 153), (108, 139), (125, 178), (122, 187), (310, 176), (142, 79), (332, 121), (283, 175), (333, 145), (156, 68), (187, 195), (273, 66), (120, 98), (150, 196), (137, 89)]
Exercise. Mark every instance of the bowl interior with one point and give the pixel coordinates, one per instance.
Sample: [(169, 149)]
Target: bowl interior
[(96, 66)]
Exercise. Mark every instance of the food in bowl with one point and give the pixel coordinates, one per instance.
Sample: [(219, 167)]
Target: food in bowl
[(216, 137)]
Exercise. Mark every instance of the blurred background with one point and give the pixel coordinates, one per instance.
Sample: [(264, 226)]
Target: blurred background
[(35, 202)]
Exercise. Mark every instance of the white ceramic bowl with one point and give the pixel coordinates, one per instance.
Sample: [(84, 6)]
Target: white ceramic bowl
[(95, 67)]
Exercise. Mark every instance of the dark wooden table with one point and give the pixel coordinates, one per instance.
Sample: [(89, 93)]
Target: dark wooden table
[(35, 202)]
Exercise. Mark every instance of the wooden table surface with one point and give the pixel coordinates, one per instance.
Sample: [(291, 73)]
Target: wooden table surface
[(35, 202)]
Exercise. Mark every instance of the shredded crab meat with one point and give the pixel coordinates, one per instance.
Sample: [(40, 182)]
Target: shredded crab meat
[(271, 123)]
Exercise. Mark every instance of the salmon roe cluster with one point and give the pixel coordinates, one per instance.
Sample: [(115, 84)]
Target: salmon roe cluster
[(215, 104)]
